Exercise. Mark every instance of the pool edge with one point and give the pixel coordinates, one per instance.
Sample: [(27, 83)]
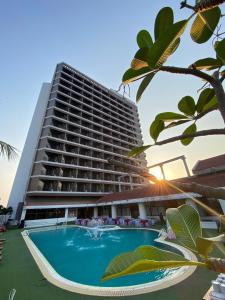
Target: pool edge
[(53, 277)]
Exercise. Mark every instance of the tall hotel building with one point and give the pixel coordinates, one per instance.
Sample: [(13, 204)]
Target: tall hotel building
[(78, 125)]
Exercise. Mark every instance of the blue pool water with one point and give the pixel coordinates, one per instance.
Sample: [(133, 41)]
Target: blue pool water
[(77, 257)]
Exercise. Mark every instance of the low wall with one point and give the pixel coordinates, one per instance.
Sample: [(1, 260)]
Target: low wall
[(46, 222)]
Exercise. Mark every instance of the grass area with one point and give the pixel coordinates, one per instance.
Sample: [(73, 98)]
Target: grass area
[(18, 270)]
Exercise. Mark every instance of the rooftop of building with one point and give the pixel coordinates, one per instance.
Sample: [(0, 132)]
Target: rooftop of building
[(214, 179), (212, 162), (110, 90)]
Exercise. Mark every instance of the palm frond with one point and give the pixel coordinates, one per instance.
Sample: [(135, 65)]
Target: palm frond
[(8, 151)]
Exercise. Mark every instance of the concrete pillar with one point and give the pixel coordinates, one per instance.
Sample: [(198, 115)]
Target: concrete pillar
[(186, 167), (162, 171), (95, 212), (222, 204), (66, 214), (191, 203), (23, 214), (113, 211), (142, 211)]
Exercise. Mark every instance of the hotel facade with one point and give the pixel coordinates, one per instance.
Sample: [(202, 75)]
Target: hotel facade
[(78, 125)]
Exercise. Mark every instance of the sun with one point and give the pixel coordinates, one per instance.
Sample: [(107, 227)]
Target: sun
[(157, 172)]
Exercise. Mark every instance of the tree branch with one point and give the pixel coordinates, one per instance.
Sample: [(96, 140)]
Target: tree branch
[(216, 83), (202, 5), (187, 71), (191, 135), (207, 4)]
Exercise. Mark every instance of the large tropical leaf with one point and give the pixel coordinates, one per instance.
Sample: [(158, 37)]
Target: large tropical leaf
[(166, 44), (206, 245), (205, 24), (190, 129), (138, 150), (204, 98), (144, 259), (220, 50), (163, 21), (132, 75), (156, 128), (207, 64), (140, 59), (185, 223), (144, 39), (170, 116), (145, 82), (187, 105)]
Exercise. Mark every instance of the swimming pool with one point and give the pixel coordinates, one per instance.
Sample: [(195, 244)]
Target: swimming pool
[(80, 256)]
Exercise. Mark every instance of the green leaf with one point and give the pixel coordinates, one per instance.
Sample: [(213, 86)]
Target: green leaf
[(190, 129), (220, 49), (156, 128), (176, 123), (132, 75), (204, 98), (144, 39), (166, 44), (185, 223), (207, 64), (145, 82), (140, 59), (163, 21), (205, 24), (211, 105), (206, 245), (187, 105), (170, 116), (144, 259), (138, 150)]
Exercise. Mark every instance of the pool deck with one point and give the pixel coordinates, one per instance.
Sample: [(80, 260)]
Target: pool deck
[(18, 270)]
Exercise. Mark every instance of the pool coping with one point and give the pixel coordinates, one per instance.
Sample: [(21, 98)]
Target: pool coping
[(55, 278)]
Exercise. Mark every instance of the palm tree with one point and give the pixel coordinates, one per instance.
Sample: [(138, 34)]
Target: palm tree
[(7, 150)]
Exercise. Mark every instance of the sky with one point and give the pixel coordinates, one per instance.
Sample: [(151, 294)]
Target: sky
[(97, 37)]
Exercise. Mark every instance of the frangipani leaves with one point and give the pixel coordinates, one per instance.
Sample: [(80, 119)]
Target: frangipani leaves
[(187, 105), (140, 59), (132, 75), (163, 21), (190, 129), (166, 44), (170, 116), (176, 123), (144, 259), (145, 82), (156, 128), (138, 150), (206, 245), (211, 105), (185, 223), (220, 50), (204, 25), (144, 39), (204, 98), (207, 64)]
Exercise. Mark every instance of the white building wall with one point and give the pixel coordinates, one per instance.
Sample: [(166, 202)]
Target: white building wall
[(24, 168)]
